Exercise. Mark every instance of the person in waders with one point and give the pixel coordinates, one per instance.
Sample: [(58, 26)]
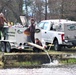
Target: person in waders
[(32, 30), (2, 20), (38, 42)]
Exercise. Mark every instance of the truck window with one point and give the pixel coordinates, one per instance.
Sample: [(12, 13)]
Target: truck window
[(51, 28), (40, 25), (45, 25), (71, 27), (59, 27)]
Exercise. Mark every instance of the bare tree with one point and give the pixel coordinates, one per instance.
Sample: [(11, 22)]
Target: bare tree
[(12, 9), (37, 9), (62, 8)]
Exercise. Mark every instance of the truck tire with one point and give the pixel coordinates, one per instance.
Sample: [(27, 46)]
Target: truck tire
[(69, 46), (2, 46), (8, 47), (56, 46)]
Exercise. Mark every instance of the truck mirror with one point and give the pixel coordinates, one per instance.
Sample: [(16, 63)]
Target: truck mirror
[(37, 30)]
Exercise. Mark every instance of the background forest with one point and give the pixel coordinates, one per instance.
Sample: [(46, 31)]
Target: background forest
[(39, 9)]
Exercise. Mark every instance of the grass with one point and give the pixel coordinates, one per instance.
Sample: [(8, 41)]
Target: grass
[(38, 63), (24, 64), (1, 64), (27, 63), (68, 61)]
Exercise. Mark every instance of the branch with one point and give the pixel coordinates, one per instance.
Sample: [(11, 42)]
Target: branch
[(5, 4)]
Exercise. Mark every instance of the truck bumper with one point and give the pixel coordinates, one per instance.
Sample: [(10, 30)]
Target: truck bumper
[(69, 42)]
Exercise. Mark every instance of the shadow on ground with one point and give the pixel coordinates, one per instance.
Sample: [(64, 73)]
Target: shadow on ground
[(22, 50), (66, 50), (70, 50)]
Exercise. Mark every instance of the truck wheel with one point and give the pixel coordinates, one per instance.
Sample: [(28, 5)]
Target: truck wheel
[(8, 47), (2, 46), (69, 46), (56, 46)]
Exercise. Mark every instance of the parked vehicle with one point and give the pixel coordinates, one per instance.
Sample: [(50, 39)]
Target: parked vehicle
[(59, 32)]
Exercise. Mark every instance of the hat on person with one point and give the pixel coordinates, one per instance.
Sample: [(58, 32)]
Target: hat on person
[(1, 14), (36, 39), (32, 19)]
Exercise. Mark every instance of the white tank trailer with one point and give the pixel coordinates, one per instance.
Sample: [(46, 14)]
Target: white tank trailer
[(15, 38)]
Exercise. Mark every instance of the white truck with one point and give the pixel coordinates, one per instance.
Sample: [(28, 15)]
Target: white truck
[(59, 32)]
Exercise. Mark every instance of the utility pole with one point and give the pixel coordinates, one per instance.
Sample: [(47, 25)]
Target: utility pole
[(45, 9)]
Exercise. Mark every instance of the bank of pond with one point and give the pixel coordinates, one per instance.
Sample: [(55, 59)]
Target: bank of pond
[(30, 60)]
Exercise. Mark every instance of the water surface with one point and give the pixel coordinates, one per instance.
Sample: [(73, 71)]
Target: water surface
[(65, 70)]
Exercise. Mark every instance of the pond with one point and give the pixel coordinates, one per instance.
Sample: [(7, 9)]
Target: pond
[(52, 70)]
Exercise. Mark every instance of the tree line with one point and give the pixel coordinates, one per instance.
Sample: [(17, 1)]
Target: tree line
[(39, 9)]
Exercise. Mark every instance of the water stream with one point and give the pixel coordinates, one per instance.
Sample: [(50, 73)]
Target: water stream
[(48, 55), (52, 62)]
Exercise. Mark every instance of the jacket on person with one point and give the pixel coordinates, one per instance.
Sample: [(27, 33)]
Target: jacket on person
[(2, 20)]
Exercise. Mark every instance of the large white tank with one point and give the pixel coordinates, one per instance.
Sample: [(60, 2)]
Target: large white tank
[(15, 34)]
